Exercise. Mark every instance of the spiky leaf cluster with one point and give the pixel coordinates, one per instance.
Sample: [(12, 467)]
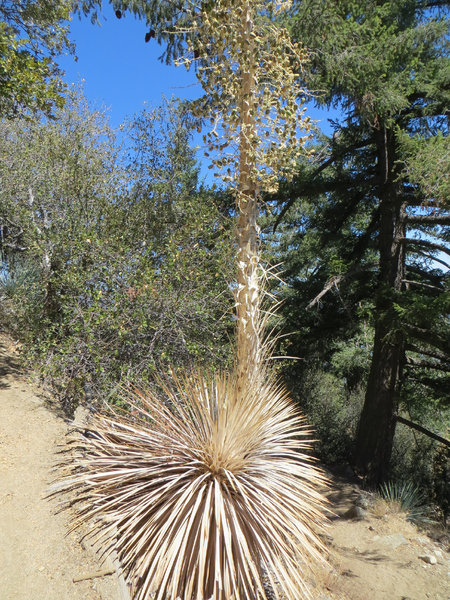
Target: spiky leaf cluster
[(205, 494)]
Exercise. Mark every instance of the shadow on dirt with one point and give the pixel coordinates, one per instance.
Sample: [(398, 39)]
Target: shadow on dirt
[(9, 365), (343, 491)]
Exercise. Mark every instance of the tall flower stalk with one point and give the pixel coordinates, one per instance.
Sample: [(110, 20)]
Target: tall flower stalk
[(248, 66), (248, 350)]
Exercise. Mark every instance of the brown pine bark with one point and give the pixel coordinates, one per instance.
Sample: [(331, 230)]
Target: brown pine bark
[(376, 428)]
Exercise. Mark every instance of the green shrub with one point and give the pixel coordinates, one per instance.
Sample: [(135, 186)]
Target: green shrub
[(417, 458), (333, 412)]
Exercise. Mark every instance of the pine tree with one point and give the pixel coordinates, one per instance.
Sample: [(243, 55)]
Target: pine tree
[(385, 65)]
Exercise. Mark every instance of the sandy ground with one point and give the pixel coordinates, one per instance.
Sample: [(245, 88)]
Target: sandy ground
[(377, 558), (38, 560)]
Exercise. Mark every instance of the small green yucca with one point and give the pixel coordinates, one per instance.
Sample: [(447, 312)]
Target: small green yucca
[(407, 496), (207, 493)]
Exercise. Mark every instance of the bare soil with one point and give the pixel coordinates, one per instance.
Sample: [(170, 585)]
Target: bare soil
[(38, 558), (382, 556), (376, 558)]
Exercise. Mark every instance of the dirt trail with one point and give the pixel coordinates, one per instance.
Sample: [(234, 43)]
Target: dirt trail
[(375, 558), (38, 560), (376, 554)]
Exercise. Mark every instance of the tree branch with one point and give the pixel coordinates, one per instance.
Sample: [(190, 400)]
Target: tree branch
[(334, 281), (432, 353), (429, 337), (427, 244), (423, 203), (434, 258), (290, 202), (363, 241), (426, 364), (428, 219), (427, 432), (10, 229), (334, 156), (428, 275), (422, 284)]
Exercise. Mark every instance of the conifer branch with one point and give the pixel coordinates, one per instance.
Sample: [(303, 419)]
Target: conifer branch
[(428, 219), (427, 244)]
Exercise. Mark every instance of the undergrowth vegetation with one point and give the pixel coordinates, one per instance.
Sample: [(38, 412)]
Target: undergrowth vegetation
[(405, 497), (128, 271)]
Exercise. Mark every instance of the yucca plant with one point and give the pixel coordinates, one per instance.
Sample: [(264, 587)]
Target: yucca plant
[(205, 493), (208, 491), (407, 496)]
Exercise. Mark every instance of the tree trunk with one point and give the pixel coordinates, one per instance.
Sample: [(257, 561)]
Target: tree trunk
[(247, 297), (51, 304), (377, 422)]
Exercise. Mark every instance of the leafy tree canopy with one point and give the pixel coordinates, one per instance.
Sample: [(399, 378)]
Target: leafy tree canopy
[(116, 263), (32, 34)]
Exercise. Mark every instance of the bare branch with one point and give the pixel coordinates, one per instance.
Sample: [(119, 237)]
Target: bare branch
[(336, 280), (94, 575), (333, 282), (427, 432), (422, 284), (428, 219)]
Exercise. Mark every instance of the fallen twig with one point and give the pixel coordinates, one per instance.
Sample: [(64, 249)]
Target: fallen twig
[(94, 575)]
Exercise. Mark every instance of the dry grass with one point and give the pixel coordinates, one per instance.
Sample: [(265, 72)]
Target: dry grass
[(207, 493), (382, 507)]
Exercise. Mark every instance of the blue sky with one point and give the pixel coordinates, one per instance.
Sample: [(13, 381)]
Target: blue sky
[(121, 71)]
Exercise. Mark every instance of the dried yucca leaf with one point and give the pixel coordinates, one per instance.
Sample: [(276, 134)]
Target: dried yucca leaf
[(207, 493)]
